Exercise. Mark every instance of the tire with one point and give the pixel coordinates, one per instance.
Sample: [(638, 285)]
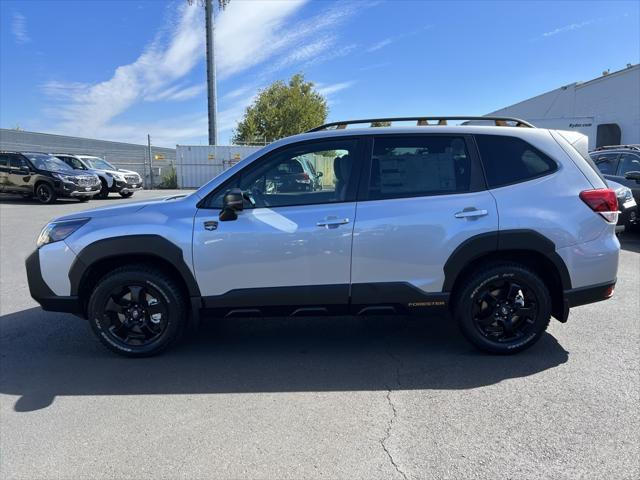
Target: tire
[(126, 195), (45, 193), (137, 311), (104, 191), (488, 303), (83, 199)]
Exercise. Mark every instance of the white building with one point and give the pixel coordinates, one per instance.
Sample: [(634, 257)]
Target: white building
[(606, 109)]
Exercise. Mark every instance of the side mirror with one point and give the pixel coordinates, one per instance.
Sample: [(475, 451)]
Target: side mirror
[(232, 202), (633, 175), (24, 170), (233, 199), (319, 174)]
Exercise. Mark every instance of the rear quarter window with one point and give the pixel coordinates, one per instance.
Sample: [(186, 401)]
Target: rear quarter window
[(510, 160)]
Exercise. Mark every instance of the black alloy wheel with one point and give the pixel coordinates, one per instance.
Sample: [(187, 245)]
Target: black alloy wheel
[(136, 314), (45, 193), (137, 310), (503, 308)]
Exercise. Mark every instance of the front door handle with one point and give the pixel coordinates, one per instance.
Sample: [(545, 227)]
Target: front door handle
[(332, 222), (211, 225), (471, 213)]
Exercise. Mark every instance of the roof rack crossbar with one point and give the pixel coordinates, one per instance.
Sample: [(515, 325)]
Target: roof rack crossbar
[(422, 121), (618, 147)]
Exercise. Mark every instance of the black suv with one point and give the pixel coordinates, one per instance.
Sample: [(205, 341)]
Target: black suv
[(44, 177), (620, 163)]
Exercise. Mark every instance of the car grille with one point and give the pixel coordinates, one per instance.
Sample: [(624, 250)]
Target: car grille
[(132, 178), (86, 181)]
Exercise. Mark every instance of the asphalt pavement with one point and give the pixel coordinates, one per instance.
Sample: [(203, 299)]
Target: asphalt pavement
[(313, 398)]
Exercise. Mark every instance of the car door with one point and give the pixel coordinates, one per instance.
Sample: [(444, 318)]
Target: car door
[(288, 252), (4, 171), (19, 176), (424, 196)]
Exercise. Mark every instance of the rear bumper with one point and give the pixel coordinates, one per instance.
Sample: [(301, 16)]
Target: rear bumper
[(42, 294), (585, 295), (591, 294)]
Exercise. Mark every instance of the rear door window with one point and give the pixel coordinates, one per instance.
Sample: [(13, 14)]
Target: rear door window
[(16, 161), (510, 160), (629, 162), (607, 163), (421, 165)]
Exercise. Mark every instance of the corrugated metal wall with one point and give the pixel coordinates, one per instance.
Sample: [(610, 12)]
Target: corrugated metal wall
[(196, 165), (129, 156)]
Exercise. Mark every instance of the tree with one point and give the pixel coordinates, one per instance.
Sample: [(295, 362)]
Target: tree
[(282, 110)]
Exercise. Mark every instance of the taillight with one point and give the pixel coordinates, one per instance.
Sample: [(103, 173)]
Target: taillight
[(303, 178), (603, 201)]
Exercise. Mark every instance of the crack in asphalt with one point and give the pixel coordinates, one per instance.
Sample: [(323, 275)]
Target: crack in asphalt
[(393, 416)]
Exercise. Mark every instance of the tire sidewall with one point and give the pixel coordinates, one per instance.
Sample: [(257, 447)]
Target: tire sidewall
[(52, 193), (513, 273), (107, 285)]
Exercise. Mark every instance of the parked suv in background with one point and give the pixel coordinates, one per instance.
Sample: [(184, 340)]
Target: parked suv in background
[(500, 226), (44, 177), (114, 179), (621, 163)]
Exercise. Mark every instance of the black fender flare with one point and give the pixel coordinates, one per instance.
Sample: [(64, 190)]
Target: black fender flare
[(149, 245), (492, 242)]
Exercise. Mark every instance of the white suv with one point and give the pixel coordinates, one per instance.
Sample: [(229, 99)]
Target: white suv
[(501, 226)]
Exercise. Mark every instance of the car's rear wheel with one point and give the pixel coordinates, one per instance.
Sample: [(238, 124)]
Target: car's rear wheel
[(137, 311), (503, 308), (45, 193)]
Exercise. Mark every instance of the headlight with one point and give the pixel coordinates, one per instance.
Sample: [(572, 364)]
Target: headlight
[(118, 176), (56, 231), (63, 177)]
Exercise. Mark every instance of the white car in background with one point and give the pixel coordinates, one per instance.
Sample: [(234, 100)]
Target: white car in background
[(114, 179)]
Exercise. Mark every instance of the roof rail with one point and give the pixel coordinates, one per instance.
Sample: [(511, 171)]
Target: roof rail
[(616, 147), (422, 121)]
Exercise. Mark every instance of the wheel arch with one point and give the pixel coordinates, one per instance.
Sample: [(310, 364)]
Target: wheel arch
[(526, 247), (102, 256)]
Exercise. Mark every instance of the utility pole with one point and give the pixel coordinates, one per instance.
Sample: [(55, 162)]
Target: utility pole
[(211, 74), (150, 162)]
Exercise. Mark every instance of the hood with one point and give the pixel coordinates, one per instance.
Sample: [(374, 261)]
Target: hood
[(74, 173), (101, 212)]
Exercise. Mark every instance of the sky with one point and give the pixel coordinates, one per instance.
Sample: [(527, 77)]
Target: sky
[(122, 69)]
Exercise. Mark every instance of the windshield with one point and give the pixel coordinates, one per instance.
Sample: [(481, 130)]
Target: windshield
[(47, 162), (75, 163), (99, 163)]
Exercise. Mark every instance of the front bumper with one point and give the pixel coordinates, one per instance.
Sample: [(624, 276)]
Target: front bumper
[(124, 187), (628, 215), (67, 189), (42, 294)]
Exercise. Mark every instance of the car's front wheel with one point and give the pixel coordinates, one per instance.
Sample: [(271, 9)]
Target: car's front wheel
[(45, 193), (126, 194), (137, 311), (503, 308), (104, 190)]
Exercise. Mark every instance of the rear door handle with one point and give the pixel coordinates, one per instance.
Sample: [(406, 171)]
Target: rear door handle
[(471, 213), (332, 222)]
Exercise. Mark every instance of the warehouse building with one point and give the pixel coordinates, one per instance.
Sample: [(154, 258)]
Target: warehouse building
[(606, 109), (129, 156)]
